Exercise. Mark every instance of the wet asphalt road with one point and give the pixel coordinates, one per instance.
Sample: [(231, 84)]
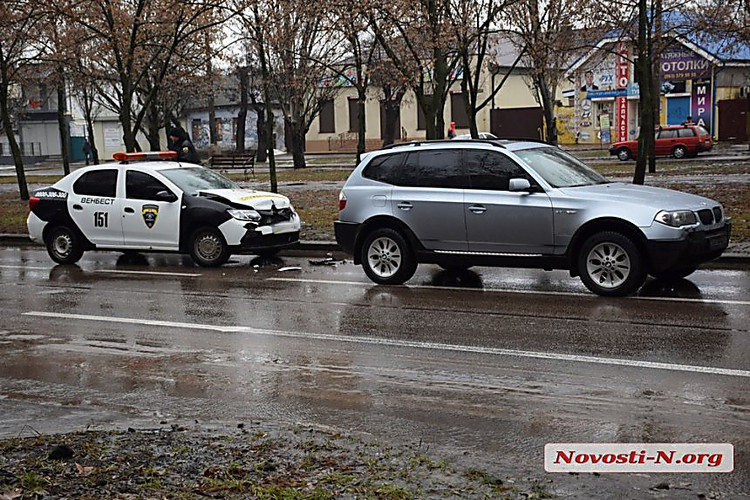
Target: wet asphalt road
[(482, 367)]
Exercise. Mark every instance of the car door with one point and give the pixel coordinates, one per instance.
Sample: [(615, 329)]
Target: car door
[(665, 141), (150, 212), (94, 207), (428, 197), (499, 220)]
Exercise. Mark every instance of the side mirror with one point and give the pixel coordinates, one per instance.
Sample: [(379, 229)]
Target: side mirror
[(166, 196), (519, 185)]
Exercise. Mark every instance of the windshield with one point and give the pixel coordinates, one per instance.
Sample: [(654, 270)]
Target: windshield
[(559, 168), (194, 179)]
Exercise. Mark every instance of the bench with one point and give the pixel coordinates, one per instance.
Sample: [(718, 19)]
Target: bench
[(233, 161)]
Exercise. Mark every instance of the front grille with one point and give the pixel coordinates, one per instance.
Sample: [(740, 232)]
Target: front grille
[(718, 217), (706, 217), (275, 216)]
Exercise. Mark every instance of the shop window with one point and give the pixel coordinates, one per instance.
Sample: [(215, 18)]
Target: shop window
[(326, 119), (458, 110)]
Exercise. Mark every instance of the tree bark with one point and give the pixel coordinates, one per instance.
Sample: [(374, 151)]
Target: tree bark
[(646, 100), (242, 115), (154, 141), (23, 189), (62, 124), (361, 128), (297, 143)]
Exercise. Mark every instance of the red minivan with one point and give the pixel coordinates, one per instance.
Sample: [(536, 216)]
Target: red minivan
[(679, 141)]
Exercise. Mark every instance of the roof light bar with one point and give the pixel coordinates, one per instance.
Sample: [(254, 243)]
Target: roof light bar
[(148, 155)]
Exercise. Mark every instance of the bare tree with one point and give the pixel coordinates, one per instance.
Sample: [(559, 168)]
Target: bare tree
[(417, 37), (21, 23)]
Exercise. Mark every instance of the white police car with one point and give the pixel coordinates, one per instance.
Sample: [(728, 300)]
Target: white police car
[(158, 206)]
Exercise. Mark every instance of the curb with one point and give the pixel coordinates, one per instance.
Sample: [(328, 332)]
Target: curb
[(317, 246)]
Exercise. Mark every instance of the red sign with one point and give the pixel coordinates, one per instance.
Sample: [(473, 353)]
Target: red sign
[(622, 68), (622, 118)]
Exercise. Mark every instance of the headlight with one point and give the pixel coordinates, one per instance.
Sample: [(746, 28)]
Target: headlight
[(248, 215), (676, 218)]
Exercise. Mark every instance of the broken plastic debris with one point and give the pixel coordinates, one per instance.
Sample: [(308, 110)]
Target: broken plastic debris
[(290, 268), (329, 261)]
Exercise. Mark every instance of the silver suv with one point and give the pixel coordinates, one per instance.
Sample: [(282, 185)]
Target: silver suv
[(519, 204)]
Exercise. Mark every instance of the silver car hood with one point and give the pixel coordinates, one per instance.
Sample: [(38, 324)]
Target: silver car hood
[(642, 196)]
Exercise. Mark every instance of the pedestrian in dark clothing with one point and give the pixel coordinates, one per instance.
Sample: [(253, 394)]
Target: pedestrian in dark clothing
[(87, 151), (181, 143)]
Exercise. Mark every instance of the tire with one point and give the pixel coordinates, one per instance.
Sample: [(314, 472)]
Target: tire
[(624, 154), (208, 248), (674, 274), (680, 152), (64, 245), (387, 258), (610, 264)]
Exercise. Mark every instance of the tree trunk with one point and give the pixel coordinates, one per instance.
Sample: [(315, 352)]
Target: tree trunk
[(23, 189), (88, 103), (297, 143), (62, 123), (361, 130), (271, 144), (263, 138), (154, 141), (645, 102), (239, 142)]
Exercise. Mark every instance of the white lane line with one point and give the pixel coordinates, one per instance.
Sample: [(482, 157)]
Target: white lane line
[(114, 271), (522, 292), (153, 273), (27, 267), (404, 343)]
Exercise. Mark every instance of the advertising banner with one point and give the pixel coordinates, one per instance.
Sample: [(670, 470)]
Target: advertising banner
[(683, 64), (702, 101)]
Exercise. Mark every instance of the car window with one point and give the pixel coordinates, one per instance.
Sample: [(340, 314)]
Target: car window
[(439, 168), (194, 179), (142, 186), (560, 169), (686, 132), (702, 130), (669, 133), (384, 168), (97, 183), (491, 170)]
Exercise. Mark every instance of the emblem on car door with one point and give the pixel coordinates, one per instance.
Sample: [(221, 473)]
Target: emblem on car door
[(150, 213)]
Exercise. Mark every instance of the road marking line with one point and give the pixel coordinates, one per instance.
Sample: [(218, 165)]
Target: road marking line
[(27, 267), (404, 343), (154, 273), (510, 290)]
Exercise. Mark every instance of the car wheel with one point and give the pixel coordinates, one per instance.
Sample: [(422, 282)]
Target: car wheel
[(623, 154), (64, 246), (674, 274), (679, 152), (208, 248), (610, 264), (387, 258)]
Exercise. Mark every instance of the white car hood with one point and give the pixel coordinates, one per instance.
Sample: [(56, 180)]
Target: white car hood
[(258, 200)]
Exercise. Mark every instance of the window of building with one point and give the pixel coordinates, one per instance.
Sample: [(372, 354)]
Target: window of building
[(353, 114), (197, 130), (458, 110), (97, 183), (326, 119), (142, 186), (421, 120), (219, 127), (397, 125)]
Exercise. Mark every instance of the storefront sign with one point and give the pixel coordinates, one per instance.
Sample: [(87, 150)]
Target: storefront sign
[(599, 94), (622, 68), (621, 103), (702, 103), (683, 64)]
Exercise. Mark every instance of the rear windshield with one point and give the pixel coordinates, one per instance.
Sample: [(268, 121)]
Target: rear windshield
[(559, 168), (702, 130)]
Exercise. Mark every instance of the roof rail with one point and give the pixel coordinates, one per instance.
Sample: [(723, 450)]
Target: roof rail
[(523, 139), (493, 142)]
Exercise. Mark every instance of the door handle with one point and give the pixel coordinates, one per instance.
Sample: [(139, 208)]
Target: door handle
[(129, 210), (77, 207), (477, 209), (405, 205)]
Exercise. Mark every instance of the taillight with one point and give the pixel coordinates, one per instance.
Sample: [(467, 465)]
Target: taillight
[(342, 201), (33, 202)]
